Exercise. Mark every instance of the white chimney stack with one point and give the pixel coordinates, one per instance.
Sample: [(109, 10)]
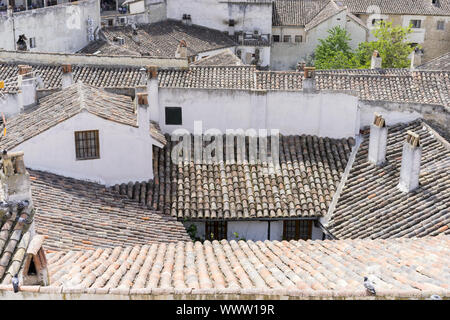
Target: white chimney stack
[(181, 50), (141, 109), (376, 60), (28, 86), (378, 141), (410, 169), (153, 92), (67, 76), (309, 80), (416, 59)]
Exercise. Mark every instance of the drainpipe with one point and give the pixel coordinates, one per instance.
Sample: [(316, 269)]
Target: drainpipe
[(268, 230)]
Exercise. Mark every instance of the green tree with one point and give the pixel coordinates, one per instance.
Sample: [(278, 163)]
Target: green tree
[(391, 44), (335, 52)]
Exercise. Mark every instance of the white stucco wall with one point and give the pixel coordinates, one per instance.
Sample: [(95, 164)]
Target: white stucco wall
[(254, 230), (332, 115), (215, 14), (10, 104), (60, 28), (125, 151)]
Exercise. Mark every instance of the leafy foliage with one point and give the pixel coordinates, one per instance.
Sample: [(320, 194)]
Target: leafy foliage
[(391, 44), (335, 52)]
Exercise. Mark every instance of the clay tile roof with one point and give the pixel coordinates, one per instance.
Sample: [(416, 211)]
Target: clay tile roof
[(209, 77), (371, 206), (296, 12), (301, 186), (223, 58), (156, 133), (15, 236), (62, 105), (439, 63), (78, 215), (408, 268), (159, 39), (401, 7), (98, 76)]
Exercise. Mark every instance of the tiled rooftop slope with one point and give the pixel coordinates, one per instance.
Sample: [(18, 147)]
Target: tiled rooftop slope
[(414, 268), (302, 186), (78, 215), (371, 205)]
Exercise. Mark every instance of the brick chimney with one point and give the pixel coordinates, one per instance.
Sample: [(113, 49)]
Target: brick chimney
[(142, 109), (376, 60), (181, 50), (309, 80), (378, 141), (411, 157), (67, 75), (27, 85)]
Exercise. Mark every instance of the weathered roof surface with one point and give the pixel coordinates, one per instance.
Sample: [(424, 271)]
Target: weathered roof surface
[(98, 76), (426, 87), (76, 215), (301, 186), (62, 105), (15, 236), (440, 63), (211, 77), (296, 12), (223, 58), (371, 206), (160, 39), (394, 85), (409, 268), (411, 7), (156, 133)]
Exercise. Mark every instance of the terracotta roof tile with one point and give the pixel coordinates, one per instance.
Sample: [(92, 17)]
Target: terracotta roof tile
[(371, 206), (301, 186), (62, 105), (77, 214), (398, 268)]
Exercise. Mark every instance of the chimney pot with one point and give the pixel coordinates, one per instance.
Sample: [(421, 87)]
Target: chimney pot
[(66, 68), (25, 70), (378, 141), (410, 168), (152, 72), (142, 98)]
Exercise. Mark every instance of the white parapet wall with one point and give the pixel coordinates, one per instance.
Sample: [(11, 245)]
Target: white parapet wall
[(324, 114), (61, 28), (89, 59)]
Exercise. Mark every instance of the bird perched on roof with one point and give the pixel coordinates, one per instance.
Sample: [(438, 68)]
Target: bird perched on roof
[(369, 286), (15, 283)]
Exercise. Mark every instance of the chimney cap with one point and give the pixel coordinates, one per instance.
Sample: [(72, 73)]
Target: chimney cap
[(412, 138), (309, 72), (142, 98), (66, 68), (379, 120), (376, 54), (183, 43)]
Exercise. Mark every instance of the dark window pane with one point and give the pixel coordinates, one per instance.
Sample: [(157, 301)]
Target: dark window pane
[(87, 145), (173, 115)]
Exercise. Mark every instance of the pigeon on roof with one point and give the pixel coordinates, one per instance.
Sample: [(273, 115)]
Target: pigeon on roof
[(369, 286)]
